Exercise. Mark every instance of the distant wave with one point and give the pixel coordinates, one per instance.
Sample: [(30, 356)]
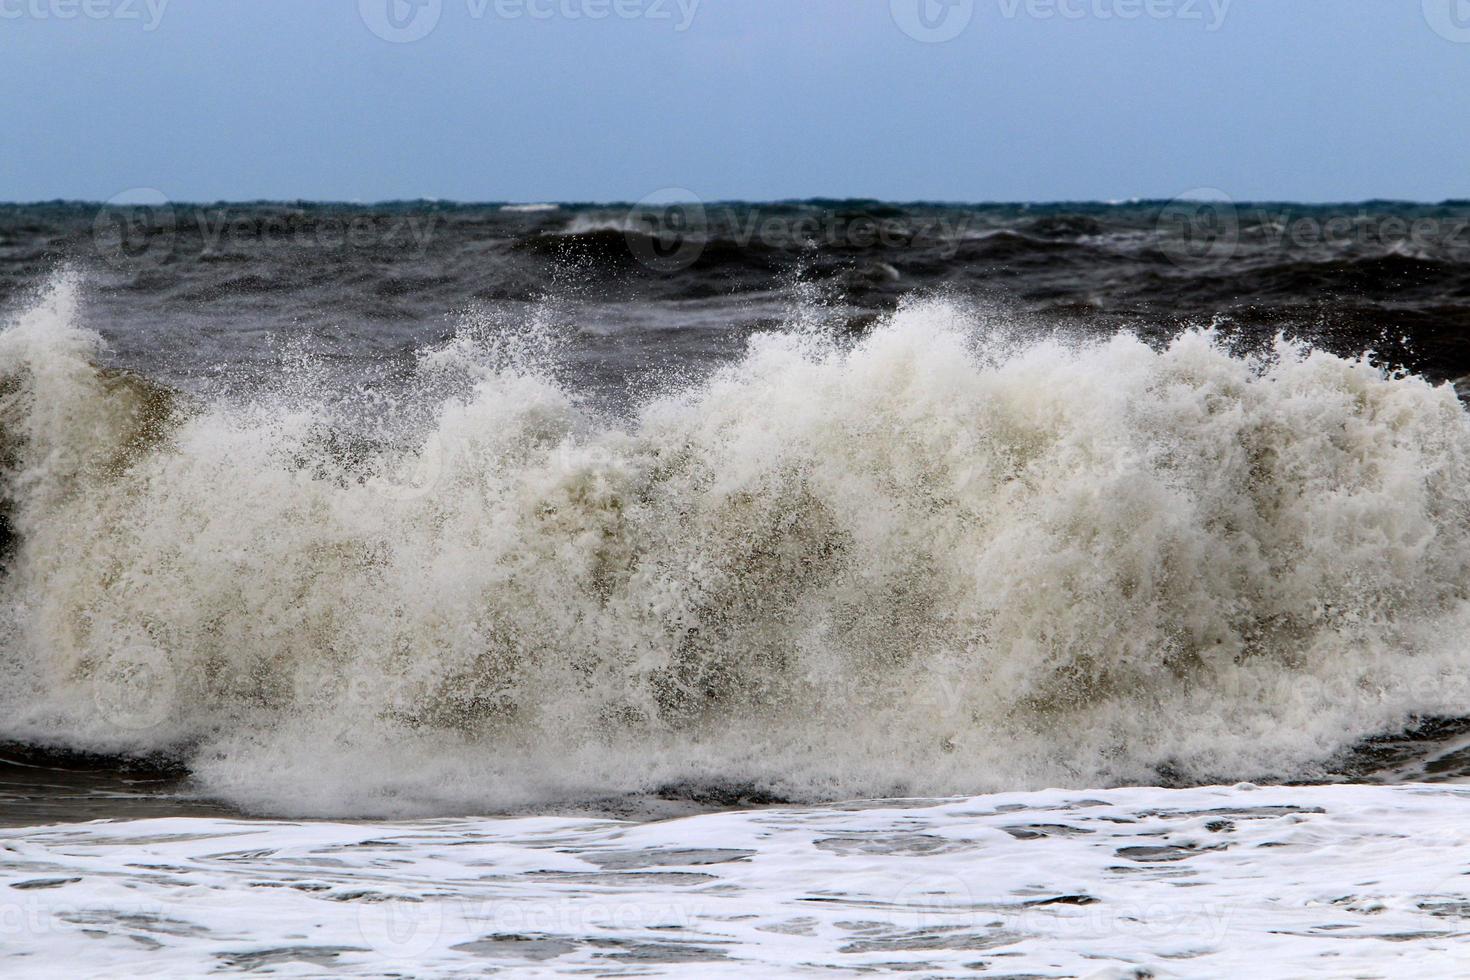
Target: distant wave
[(592, 223)]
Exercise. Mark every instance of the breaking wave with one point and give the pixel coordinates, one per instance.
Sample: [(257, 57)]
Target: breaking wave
[(929, 560)]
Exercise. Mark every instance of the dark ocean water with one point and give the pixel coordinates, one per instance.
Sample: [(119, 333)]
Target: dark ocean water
[(189, 290), (338, 303)]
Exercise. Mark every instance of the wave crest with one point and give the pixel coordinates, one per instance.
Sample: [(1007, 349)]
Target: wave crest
[(926, 561)]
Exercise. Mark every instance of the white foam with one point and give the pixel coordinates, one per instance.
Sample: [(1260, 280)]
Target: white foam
[(930, 562), (587, 223), (1222, 882)]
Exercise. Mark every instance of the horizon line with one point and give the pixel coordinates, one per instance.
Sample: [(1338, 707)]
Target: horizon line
[(567, 203)]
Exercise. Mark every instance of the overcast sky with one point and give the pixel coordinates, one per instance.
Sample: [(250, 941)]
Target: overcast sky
[(759, 99)]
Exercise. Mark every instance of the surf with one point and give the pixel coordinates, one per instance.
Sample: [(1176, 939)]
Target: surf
[(936, 558)]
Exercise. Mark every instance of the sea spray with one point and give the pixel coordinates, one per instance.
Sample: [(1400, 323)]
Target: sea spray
[(926, 561)]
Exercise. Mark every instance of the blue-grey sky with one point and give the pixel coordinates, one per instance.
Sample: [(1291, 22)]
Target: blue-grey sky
[(758, 99)]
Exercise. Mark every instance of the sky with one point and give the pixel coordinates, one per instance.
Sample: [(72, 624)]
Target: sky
[(614, 100)]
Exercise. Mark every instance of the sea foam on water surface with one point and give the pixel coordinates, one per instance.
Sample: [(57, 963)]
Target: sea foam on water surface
[(926, 561), (1330, 881)]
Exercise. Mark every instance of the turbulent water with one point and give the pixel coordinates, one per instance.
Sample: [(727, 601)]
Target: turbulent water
[(187, 292), (1128, 884), (502, 517), (610, 520)]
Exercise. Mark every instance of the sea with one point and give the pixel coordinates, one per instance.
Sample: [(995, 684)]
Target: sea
[(688, 588)]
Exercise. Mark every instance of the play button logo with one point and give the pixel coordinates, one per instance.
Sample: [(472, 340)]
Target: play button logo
[(1450, 19), (401, 21)]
